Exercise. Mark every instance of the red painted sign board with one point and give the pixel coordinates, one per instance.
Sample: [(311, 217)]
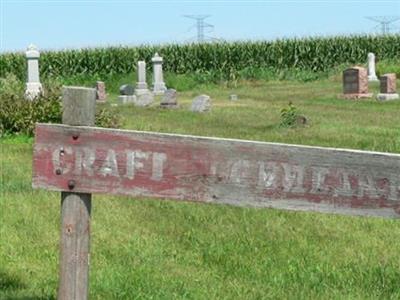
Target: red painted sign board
[(237, 172)]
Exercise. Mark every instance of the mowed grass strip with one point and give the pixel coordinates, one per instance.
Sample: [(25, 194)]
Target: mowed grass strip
[(147, 248)]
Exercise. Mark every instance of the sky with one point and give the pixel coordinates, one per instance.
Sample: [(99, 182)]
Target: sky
[(68, 24)]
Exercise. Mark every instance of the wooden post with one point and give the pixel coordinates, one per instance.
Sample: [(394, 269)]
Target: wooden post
[(79, 110)]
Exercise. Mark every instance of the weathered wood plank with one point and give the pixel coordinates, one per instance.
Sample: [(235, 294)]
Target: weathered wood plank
[(78, 109), (217, 170)]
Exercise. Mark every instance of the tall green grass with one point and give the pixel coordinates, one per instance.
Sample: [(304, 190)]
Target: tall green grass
[(224, 60)]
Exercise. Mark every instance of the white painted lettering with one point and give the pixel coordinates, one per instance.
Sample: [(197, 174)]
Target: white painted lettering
[(345, 188), (367, 187), (293, 177), (239, 171), (84, 159), (133, 163), (394, 188), (267, 173), (110, 166), (158, 166), (318, 180)]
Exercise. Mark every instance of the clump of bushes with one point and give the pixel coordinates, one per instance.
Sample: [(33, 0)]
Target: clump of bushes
[(18, 115), (290, 117)]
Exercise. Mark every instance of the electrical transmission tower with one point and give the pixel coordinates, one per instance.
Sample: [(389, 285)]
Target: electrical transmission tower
[(201, 27), (384, 23)]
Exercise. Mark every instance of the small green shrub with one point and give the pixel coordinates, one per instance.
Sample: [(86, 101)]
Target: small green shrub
[(18, 115), (290, 117), (106, 119), (10, 86)]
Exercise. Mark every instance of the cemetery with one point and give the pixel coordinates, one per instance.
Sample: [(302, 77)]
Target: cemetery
[(267, 182)]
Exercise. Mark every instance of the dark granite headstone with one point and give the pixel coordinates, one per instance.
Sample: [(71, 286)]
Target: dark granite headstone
[(127, 90)]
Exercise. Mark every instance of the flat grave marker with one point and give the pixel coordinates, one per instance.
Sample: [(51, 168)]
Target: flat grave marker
[(388, 87)]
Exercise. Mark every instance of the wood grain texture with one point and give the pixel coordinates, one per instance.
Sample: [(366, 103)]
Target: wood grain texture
[(78, 109), (217, 170), (78, 106), (75, 245)]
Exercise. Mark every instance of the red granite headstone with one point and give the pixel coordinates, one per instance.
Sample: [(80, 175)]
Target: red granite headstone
[(388, 83), (355, 83)]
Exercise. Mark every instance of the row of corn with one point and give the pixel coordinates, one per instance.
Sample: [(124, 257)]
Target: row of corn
[(313, 54)]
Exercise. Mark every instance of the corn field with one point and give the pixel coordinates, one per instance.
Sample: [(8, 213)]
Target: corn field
[(312, 54)]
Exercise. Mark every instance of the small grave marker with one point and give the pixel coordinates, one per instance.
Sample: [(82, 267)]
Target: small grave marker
[(144, 99), (101, 95), (201, 104), (169, 99), (126, 94), (388, 87), (126, 89), (233, 97)]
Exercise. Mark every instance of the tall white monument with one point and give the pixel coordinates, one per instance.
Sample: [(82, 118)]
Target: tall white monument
[(371, 67), (158, 79), (141, 85), (33, 85)]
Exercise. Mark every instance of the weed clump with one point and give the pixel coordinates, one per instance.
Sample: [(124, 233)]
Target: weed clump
[(290, 117), (19, 116)]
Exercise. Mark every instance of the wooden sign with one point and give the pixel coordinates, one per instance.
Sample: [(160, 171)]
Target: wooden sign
[(96, 160)]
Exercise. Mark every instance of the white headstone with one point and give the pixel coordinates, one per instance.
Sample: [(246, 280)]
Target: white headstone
[(126, 99), (33, 85), (371, 67), (145, 99), (158, 79), (141, 85), (201, 104)]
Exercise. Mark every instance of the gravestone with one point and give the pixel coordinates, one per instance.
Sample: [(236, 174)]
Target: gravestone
[(169, 99), (127, 89), (144, 99), (355, 83), (158, 79), (126, 99), (141, 85), (101, 91), (388, 87), (371, 67), (233, 97), (33, 86), (201, 103), (126, 92)]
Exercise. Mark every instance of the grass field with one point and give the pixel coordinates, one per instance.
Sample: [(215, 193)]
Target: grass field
[(152, 249)]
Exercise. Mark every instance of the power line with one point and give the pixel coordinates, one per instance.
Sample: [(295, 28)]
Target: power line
[(385, 23), (201, 26)]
